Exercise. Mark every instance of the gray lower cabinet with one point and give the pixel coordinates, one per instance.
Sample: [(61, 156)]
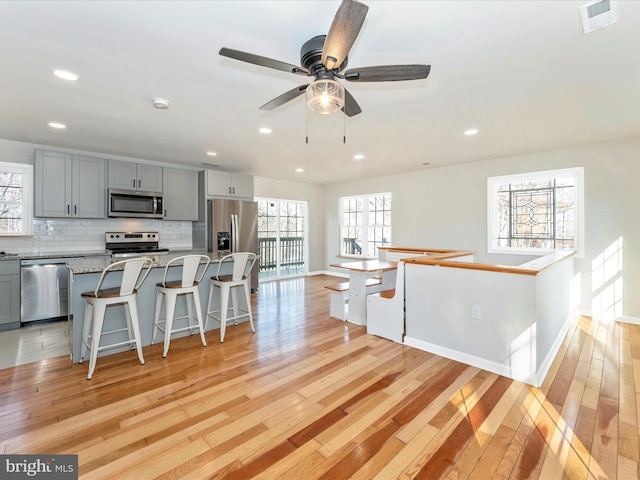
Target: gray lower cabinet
[(68, 185), (180, 194), (9, 294)]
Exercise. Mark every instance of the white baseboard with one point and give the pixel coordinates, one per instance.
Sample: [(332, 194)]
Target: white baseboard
[(628, 319), (532, 378)]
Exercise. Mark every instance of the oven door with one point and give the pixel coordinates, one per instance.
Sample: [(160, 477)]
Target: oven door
[(127, 203)]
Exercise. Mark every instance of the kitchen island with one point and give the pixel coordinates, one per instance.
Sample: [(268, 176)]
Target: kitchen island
[(86, 273)]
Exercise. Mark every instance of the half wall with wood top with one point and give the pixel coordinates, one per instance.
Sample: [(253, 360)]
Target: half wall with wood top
[(510, 320)]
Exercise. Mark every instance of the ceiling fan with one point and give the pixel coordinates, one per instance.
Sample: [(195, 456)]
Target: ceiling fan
[(325, 57)]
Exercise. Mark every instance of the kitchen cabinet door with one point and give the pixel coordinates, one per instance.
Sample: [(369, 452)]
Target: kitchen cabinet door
[(9, 295), (225, 184), (180, 194), (88, 187), (135, 176), (69, 185), (52, 179)]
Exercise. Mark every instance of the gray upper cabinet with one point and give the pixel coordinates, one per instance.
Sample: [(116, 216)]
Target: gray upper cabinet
[(225, 184), (68, 185), (180, 194), (135, 176)]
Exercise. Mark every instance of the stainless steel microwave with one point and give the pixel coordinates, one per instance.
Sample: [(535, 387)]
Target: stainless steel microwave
[(129, 203)]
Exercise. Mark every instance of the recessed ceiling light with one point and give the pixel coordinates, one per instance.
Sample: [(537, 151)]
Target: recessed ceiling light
[(57, 125), (66, 75), (211, 154), (358, 156), (471, 131), (265, 130), (299, 170)]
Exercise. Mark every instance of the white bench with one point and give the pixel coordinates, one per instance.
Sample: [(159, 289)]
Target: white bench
[(385, 310), (339, 303)]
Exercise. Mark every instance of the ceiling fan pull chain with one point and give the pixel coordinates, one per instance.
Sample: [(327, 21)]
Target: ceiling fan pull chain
[(344, 129)]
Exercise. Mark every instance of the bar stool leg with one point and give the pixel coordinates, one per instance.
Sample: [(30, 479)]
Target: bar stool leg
[(224, 306), (234, 299), (190, 315), (156, 317), (133, 311), (97, 320), (86, 330), (195, 297), (170, 308), (247, 294)]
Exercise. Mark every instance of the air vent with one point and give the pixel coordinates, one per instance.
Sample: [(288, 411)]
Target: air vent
[(597, 15)]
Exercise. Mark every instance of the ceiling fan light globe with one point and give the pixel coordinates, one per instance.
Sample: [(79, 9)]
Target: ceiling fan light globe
[(325, 96)]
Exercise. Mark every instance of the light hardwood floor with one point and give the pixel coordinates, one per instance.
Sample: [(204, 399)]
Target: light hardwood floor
[(310, 397)]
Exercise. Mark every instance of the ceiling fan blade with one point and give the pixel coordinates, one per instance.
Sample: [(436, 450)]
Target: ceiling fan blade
[(351, 107), (262, 61), (343, 32), (284, 98), (387, 73)]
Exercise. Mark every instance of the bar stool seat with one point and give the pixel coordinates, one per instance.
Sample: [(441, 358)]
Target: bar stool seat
[(229, 285), (99, 299), (170, 290)]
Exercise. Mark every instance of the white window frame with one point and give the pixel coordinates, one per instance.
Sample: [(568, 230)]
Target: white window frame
[(364, 227), (577, 173), (27, 197)]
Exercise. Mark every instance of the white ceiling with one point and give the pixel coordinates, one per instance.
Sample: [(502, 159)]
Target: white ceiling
[(522, 72)]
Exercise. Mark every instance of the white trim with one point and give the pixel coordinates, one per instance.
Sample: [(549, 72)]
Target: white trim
[(531, 378), (628, 319)]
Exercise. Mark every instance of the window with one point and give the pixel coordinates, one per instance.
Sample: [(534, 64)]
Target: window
[(281, 237), (16, 209), (536, 213), (366, 224)]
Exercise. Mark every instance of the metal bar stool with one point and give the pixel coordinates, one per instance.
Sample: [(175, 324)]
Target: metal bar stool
[(229, 284), (188, 286), (96, 308)]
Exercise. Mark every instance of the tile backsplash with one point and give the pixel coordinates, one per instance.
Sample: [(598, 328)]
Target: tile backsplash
[(87, 235)]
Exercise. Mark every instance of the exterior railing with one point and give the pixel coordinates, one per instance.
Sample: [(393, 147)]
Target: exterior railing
[(351, 247), (291, 252)]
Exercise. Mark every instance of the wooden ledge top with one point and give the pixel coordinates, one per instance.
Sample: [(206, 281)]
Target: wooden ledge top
[(533, 267)]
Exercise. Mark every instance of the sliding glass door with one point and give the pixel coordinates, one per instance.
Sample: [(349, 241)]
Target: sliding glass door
[(282, 237)]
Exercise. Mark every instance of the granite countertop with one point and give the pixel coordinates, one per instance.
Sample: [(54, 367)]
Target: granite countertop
[(75, 255), (96, 264)]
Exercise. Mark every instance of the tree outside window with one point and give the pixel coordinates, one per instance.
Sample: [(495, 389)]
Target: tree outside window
[(16, 217)]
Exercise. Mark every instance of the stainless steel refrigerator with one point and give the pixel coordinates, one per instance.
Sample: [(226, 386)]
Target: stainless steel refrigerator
[(233, 227)]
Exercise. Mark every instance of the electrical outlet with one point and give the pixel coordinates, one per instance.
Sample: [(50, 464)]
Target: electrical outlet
[(476, 313)]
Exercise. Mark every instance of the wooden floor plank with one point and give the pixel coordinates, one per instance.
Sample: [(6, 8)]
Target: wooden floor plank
[(308, 397)]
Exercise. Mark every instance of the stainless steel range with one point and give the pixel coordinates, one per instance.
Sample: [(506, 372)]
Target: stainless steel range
[(133, 244)]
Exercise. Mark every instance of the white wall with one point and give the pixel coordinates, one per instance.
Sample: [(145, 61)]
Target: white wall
[(313, 195), (446, 208)]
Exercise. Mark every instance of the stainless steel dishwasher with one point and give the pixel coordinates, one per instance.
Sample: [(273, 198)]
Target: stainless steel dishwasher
[(44, 289)]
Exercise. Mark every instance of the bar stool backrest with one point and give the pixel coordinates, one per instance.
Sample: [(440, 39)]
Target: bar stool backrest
[(242, 264), (190, 265), (132, 277)]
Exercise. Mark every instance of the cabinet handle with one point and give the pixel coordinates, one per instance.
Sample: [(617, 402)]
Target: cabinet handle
[(75, 209), (68, 209), (229, 190), (234, 190), (134, 183), (139, 183)]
